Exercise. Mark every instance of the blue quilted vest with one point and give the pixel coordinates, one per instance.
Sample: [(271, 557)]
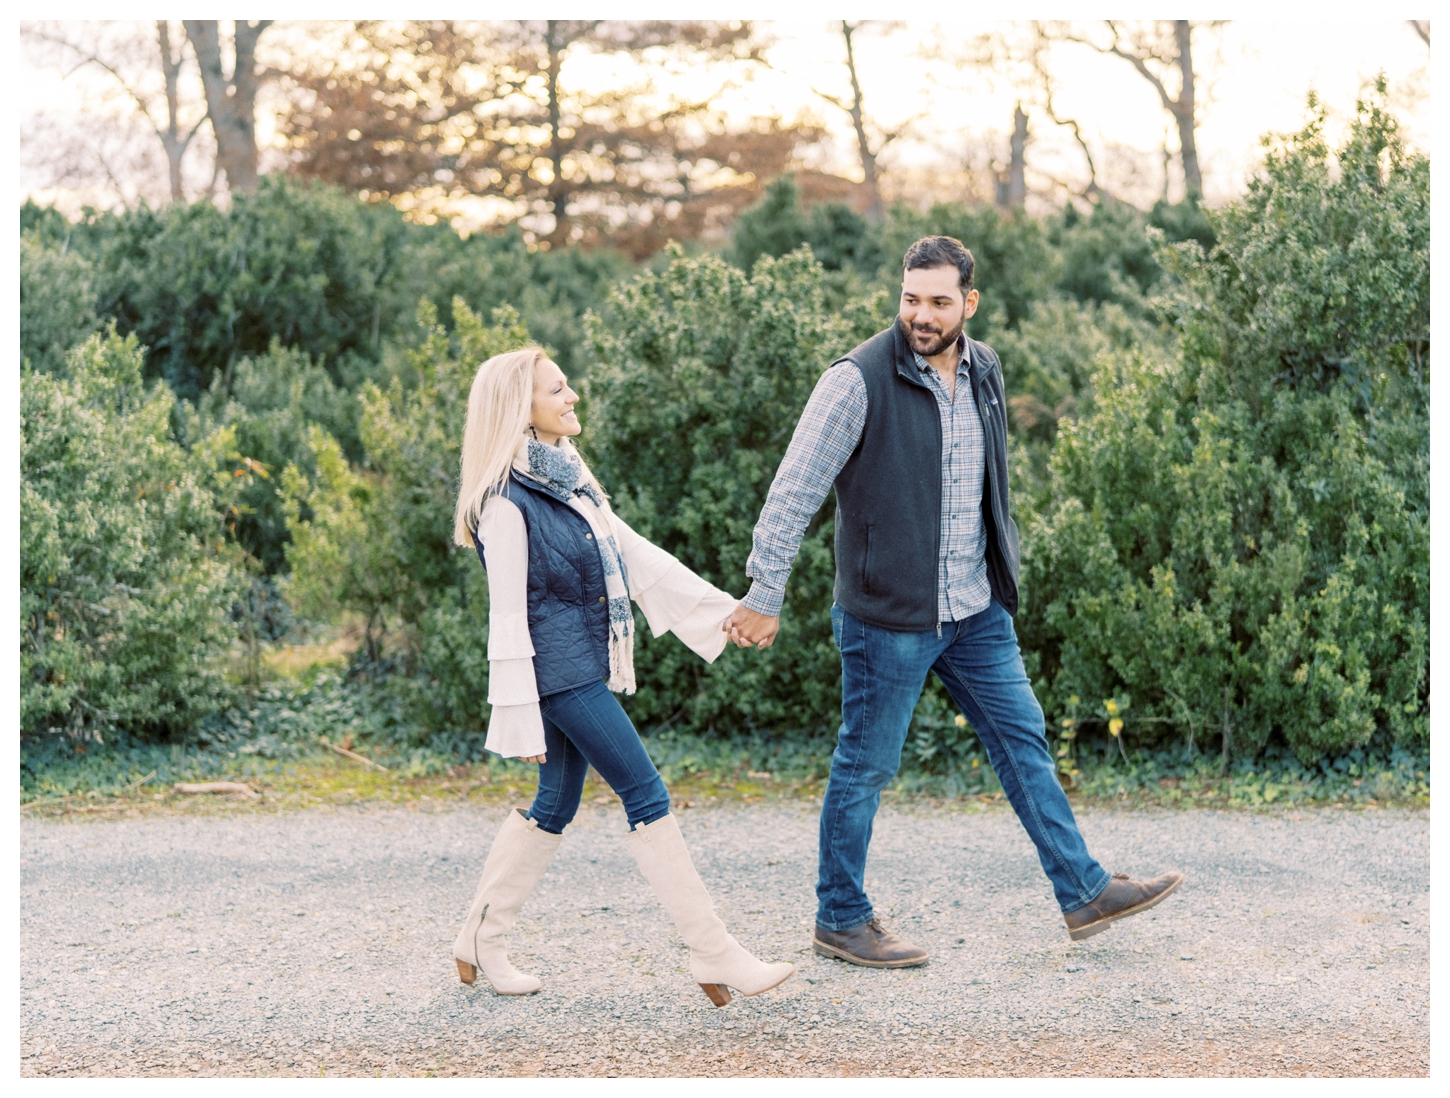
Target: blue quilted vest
[(568, 607)]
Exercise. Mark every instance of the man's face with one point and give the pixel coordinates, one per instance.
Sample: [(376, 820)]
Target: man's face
[(933, 309)]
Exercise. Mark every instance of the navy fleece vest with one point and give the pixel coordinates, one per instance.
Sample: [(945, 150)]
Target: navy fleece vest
[(568, 607), (888, 494)]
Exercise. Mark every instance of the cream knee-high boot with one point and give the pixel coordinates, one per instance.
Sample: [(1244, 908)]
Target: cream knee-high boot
[(517, 859), (716, 959)]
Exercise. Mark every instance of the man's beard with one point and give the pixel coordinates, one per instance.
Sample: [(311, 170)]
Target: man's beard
[(936, 347)]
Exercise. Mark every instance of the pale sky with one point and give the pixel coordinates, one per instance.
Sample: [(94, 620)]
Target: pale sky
[(1254, 77), (1258, 74)]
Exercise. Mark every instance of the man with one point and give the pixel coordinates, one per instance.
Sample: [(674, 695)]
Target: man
[(911, 428)]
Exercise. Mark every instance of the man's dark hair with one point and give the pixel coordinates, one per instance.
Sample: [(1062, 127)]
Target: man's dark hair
[(941, 251)]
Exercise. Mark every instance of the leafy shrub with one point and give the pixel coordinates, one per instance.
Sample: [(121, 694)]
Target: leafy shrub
[(201, 287), (1225, 520), (700, 373), (1105, 256), (57, 303), (311, 268), (838, 236), (271, 402), (377, 539), (1048, 360), (125, 582), (1236, 542)]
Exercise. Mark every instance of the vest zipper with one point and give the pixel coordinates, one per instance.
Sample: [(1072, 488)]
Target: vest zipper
[(941, 492), (987, 462)]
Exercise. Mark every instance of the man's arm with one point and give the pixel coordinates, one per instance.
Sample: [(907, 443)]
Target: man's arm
[(827, 434)]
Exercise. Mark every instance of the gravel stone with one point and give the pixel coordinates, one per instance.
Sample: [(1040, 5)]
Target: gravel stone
[(318, 943)]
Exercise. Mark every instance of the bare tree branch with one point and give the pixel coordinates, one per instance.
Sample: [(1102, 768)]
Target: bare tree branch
[(1092, 192), (1140, 63), (1422, 28), (169, 133), (171, 138), (1168, 44), (856, 110), (443, 110)]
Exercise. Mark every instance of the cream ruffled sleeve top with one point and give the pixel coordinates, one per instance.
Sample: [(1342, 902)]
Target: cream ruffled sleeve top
[(673, 598), (515, 728)]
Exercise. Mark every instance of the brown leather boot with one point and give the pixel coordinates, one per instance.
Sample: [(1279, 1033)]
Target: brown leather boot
[(869, 944), (1122, 897)]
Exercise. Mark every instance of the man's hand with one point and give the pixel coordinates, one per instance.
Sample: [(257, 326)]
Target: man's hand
[(532, 759), (751, 630)]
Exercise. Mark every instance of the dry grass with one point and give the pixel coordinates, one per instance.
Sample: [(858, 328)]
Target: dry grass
[(295, 660), (326, 781)]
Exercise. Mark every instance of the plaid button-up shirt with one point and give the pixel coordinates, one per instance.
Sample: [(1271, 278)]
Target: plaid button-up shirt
[(828, 431)]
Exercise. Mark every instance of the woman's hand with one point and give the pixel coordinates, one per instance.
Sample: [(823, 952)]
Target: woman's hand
[(748, 629), (532, 759)]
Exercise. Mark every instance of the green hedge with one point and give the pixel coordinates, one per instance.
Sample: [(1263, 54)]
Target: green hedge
[(306, 265), (1220, 456), (1235, 544), (126, 582), (699, 375)]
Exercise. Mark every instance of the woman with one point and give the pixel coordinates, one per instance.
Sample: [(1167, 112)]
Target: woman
[(561, 570)]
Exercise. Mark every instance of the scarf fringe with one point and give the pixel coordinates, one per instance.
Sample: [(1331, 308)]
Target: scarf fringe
[(621, 662)]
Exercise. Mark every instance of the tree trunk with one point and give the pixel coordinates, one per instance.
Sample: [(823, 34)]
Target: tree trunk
[(244, 80), (558, 198), (1017, 172), (171, 139), (231, 103), (874, 209), (1167, 165), (1183, 111)]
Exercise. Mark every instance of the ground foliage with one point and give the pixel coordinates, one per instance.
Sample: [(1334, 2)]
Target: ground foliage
[(274, 747)]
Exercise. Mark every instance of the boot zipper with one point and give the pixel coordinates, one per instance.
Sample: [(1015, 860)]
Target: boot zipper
[(476, 962)]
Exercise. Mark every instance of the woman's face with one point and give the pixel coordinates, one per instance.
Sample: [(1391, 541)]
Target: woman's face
[(552, 415)]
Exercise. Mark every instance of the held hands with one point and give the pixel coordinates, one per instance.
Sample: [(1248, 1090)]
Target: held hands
[(532, 759), (748, 629)]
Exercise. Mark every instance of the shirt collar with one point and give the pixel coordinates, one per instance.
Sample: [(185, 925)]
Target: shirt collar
[(964, 364)]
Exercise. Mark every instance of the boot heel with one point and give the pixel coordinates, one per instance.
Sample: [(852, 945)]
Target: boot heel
[(466, 972), (719, 994)]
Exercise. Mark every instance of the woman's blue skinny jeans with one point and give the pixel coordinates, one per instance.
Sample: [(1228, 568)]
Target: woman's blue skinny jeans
[(587, 727)]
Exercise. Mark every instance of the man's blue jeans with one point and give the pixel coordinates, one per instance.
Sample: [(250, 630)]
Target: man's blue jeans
[(882, 675), (585, 726)]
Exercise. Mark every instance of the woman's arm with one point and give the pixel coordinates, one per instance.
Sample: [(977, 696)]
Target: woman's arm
[(515, 727), (673, 598)]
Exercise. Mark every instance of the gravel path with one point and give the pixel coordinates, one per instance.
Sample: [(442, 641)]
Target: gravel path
[(319, 943)]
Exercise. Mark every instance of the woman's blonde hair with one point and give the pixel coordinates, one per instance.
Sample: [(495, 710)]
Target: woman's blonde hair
[(498, 414)]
